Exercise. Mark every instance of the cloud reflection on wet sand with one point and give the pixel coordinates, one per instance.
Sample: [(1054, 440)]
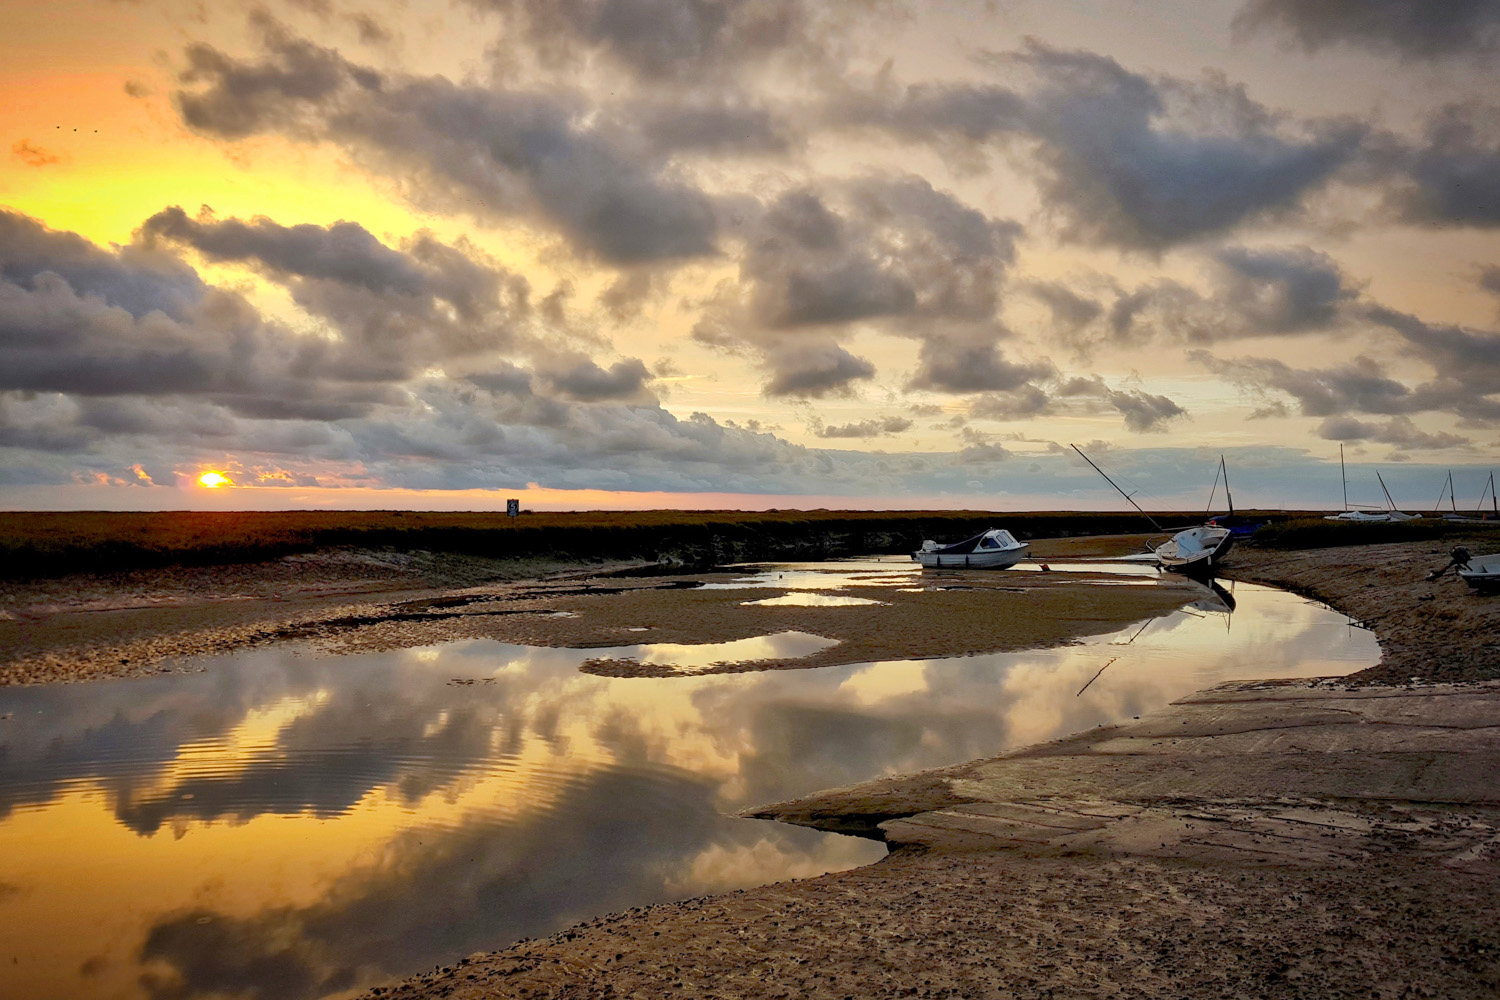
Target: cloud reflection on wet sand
[(290, 826)]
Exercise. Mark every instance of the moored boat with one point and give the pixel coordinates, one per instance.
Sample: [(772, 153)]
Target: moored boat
[(1482, 572), (992, 549), (1195, 550)]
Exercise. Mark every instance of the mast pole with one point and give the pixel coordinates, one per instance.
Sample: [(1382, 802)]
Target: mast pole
[(1116, 485), (1343, 475), (1388, 501), (1452, 497), (1229, 496)]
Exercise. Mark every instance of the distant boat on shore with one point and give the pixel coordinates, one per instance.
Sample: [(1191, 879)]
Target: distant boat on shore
[(992, 549), (1388, 516)]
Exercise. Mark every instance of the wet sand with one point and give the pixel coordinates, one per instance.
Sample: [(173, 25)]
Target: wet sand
[(1326, 838), (84, 628), (1276, 840)]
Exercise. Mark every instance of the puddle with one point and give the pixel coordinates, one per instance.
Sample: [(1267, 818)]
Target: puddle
[(348, 820), (813, 599), (687, 657)]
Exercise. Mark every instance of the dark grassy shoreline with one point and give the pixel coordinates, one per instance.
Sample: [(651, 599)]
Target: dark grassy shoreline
[(38, 545), (51, 544)]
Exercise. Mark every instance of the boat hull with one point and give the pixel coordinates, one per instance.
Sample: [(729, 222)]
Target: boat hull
[(1001, 559), (1483, 573), (1181, 556)]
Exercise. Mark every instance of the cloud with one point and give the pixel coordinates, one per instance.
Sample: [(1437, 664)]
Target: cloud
[(1250, 292), (1285, 290), (887, 253), (1453, 175), (398, 311), (33, 155), (1412, 29), (585, 381), (662, 42), (1399, 431), (1124, 160), (494, 154), (874, 427), (1144, 412)]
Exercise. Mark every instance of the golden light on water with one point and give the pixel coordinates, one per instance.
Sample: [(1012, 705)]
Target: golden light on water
[(213, 480)]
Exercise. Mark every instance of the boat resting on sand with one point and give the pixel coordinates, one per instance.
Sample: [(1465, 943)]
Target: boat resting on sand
[(1372, 516), (1195, 550), (993, 549), (1482, 572)]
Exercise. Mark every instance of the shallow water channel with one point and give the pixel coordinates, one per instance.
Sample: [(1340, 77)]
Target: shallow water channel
[(291, 825)]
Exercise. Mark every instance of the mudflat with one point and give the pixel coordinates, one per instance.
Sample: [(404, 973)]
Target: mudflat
[(151, 621), (1324, 838)]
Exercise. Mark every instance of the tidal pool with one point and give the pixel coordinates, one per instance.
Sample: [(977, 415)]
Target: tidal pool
[(285, 825)]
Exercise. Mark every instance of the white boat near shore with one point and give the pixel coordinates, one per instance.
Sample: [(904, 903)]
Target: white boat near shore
[(993, 549), (1195, 550), (1482, 572)]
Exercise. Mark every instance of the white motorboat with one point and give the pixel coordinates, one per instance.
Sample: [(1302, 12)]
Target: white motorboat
[(1195, 549), (994, 549), (1482, 572)]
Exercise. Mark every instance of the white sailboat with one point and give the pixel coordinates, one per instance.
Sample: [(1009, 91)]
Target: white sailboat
[(1388, 516), (1191, 550)]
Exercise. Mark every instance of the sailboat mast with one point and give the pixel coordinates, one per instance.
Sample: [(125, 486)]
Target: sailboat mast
[(1391, 504), (1344, 475), (1116, 485), (1452, 499), (1229, 496)]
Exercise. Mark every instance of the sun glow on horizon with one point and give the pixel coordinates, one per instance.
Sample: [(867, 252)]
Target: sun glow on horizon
[(212, 480)]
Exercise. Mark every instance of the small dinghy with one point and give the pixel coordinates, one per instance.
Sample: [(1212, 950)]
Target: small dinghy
[(1195, 550), (1482, 572), (994, 549)]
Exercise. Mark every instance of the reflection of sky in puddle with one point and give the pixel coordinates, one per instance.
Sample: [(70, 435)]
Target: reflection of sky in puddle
[(832, 575), (780, 646), (810, 599), (343, 820)]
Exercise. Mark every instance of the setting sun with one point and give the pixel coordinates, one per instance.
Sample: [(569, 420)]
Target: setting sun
[(213, 480)]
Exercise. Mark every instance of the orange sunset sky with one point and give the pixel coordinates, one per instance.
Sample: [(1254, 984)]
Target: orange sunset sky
[(656, 253)]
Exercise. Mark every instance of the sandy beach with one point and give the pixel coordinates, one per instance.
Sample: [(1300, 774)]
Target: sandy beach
[(1292, 839)]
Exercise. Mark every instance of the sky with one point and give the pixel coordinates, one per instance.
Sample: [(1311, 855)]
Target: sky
[(746, 253)]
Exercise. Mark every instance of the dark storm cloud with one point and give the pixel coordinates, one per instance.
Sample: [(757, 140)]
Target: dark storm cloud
[(1412, 29), (1125, 160), (493, 154), (891, 253)]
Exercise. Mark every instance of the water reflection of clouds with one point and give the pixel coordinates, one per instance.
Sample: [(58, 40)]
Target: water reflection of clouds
[(380, 819)]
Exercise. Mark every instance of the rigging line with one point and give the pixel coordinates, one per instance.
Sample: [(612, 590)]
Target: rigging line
[(1095, 677), (1116, 485)]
